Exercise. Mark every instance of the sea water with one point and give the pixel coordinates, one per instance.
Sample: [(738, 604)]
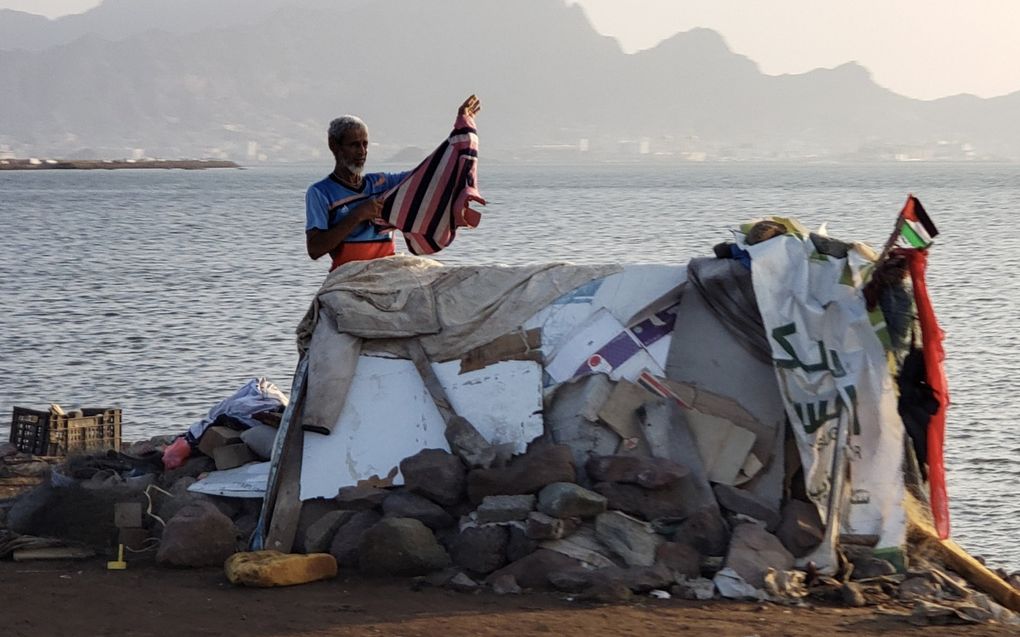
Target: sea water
[(163, 292)]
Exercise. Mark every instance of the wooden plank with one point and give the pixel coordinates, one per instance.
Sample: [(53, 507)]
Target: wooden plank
[(284, 438)]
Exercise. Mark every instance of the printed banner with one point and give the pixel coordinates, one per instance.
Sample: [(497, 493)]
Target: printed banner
[(832, 370)]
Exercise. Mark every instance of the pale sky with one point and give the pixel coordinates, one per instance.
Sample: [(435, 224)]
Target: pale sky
[(919, 48)]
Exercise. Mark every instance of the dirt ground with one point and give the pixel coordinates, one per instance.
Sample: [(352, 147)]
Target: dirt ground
[(83, 599)]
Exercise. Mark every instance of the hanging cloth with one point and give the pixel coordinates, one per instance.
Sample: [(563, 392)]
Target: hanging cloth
[(431, 202)]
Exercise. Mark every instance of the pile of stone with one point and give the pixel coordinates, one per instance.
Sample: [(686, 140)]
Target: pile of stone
[(614, 526), (104, 500)]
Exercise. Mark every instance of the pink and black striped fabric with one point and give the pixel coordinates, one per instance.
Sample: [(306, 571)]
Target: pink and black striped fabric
[(431, 202)]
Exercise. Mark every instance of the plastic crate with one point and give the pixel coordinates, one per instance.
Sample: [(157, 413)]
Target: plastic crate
[(44, 433)]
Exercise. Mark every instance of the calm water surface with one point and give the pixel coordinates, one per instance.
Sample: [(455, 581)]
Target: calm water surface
[(164, 291)]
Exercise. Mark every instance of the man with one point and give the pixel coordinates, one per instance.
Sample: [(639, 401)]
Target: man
[(340, 208)]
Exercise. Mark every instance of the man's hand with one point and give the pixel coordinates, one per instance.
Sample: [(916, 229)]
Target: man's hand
[(368, 210), (471, 106)]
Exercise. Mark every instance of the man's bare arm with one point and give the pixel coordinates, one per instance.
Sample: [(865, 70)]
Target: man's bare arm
[(320, 242)]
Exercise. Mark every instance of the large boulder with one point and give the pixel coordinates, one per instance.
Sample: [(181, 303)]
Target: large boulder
[(753, 551), (736, 500), (634, 541), (436, 474), (318, 537), (533, 571), (400, 546), (403, 504), (527, 473), (198, 535), (800, 529), (480, 550), (706, 531), (348, 536)]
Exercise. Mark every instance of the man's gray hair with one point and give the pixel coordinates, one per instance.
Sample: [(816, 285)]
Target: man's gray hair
[(339, 126)]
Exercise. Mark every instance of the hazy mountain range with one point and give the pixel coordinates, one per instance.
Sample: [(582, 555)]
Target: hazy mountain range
[(259, 80)]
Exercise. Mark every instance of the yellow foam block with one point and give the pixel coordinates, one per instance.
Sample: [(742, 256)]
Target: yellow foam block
[(265, 569)]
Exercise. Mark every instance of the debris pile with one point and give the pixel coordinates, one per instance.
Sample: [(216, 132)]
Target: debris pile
[(725, 429)]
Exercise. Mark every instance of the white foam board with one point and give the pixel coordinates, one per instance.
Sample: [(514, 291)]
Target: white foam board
[(389, 416)]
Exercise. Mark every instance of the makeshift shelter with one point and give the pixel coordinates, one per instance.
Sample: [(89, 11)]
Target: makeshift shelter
[(745, 411)]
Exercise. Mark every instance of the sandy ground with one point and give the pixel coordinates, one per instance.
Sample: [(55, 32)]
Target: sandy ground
[(83, 599)]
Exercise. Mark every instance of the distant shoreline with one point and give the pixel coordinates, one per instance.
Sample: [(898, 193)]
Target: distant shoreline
[(115, 164)]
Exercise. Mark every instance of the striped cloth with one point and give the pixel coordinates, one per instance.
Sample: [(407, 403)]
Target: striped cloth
[(431, 202)]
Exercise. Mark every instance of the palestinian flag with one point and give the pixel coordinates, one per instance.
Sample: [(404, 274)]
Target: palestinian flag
[(915, 227)]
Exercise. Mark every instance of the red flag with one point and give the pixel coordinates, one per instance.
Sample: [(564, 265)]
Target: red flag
[(934, 355)]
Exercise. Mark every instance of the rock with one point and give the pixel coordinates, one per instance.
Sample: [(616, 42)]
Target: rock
[(360, 498), (800, 528), (400, 546), (607, 592), (639, 579), (7, 449), (870, 566), (753, 551), (917, 588), (572, 580), (70, 513), (462, 584), (311, 512), (1014, 580), (436, 474), (633, 540), (439, 579), (572, 420), (198, 535), (167, 508), (568, 500), (265, 569), (505, 508), (481, 549), (260, 439), (528, 473), (140, 449), (505, 584), (545, 527), (706, 531), (518, 543), (318, 537), (852, 595), (744, 502), (648, 504), (681, 559), (348, 537), (700, 589), (403, 504), (583, 545), (644, 471), (533, 571)]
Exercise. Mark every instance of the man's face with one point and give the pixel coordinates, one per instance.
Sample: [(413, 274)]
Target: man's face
[(352, 150)]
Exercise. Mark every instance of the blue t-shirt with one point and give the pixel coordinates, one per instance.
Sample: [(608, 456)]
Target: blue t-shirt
[(326, 193)]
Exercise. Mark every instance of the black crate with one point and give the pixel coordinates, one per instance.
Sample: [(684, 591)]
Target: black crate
[(44, 433)]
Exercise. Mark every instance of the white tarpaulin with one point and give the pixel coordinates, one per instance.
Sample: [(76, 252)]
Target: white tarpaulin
[(832, 371)]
